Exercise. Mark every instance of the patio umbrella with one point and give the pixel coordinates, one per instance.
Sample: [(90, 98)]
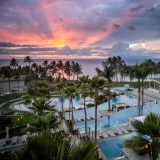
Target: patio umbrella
[(7, 131), (28, 134), (129, 125), (117, 126), (101, 127)]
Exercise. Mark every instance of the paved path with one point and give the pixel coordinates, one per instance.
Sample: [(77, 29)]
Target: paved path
[(132, 155)]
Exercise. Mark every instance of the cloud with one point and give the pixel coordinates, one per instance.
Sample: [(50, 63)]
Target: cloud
[(116, 26), (51, 25), (47, 50), (104, 29), (9, 44), (131, 28), (60, 20), (136, 8), (123, 50), (152, 9)]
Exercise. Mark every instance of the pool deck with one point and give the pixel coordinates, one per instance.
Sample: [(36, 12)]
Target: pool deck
[(149, 95), (132, 155)]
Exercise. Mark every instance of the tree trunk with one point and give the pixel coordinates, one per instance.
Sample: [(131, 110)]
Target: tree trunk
[(72, 109), (69, 110), (109, 99), (63, 116), (142, 95), (18, 84), (116, 76), (95, 120), (139, 97), (77, 77), (109, 103), (62, 73), (73, 77), (154, 152), (85, 114), (9, 85)]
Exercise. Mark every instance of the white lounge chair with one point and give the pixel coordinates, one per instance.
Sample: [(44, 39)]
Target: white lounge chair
[(118, 132), (124, 130), (34, 134), (14, 140), (24, 138), (105, 135), (110, 133), (100, 135)]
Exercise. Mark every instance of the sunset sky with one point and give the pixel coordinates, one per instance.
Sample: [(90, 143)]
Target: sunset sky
[(79, 28)]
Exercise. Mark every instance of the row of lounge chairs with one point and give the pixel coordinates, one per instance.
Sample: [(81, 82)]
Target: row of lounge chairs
[(148, 95), (115, 132), (82, 119), (152, 93), (88, 119), (8, 142)]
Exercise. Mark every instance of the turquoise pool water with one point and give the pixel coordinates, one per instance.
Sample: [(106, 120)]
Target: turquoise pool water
[(90, 111), (120, 116), (111, 147)]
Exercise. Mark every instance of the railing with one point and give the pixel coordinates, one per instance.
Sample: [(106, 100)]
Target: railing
[(13, 131), (90, 133)]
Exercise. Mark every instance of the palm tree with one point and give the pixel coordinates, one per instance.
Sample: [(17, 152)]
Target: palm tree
[(96, 89), (60, 67), (70, 92), (45, 67), (28, 60), (45, 123), (76, 69), (61, 91), (140, 72), (14, 63), (45, 63), (34, 66), (84, 92), (39, 105), (55, 147), (149, 133), (135, 72), (68, 69), (28, 78), (53, 69), (107, 73), (145, 72), (39, 89)]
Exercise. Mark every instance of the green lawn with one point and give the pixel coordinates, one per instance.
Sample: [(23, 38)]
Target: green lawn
[(131, 84)]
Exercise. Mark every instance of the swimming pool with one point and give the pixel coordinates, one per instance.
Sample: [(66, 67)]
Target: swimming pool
[(121, 117), (104, 106), (111, 147)]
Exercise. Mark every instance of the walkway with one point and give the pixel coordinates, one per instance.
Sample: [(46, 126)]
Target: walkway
[(132, 155), (149, 96)]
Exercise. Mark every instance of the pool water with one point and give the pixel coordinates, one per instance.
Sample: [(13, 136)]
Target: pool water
[(121, 117), (104, 106), (111, 147)]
